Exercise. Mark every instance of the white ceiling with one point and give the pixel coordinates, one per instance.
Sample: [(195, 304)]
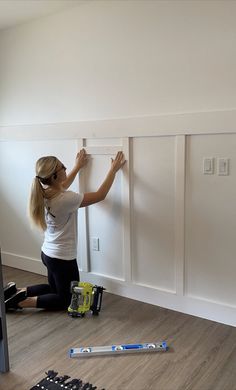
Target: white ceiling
[(14, 12)]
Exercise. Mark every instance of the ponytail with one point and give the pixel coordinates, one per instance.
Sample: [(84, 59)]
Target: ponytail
[(45, 169), (36, 204)]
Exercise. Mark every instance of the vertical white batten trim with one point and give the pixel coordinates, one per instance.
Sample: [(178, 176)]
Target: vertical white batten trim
[(179, 212), (126, 213), (83, 222)]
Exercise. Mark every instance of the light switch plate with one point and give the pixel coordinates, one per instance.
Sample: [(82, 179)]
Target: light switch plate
[(223, 167), (208, 165)]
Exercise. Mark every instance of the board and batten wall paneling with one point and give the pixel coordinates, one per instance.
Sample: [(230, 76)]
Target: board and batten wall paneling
[(104, 221), (153, 213), (210, 247), (160, 243)]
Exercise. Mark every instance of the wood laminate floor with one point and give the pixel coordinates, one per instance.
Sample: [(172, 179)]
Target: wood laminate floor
[(202, 353)]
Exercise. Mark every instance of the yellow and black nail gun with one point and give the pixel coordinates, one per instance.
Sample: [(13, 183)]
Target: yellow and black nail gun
[(85, 297)]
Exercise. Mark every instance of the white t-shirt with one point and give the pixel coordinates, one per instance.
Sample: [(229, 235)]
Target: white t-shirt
[(60, 238)]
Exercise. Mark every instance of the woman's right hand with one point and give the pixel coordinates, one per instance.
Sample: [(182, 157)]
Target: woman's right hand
[(81, 159), (118, 162)]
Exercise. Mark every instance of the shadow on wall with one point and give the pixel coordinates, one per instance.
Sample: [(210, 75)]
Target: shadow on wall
[(17, 235)]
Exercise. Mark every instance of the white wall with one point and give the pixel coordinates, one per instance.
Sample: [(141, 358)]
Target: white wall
[(116, 59), (116, 72)]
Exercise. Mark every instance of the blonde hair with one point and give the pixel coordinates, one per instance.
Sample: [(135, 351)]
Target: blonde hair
[(45, 169)]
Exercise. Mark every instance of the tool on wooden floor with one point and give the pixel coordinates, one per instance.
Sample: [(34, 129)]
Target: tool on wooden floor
[(54, 382), (85, 297), (118, 349)]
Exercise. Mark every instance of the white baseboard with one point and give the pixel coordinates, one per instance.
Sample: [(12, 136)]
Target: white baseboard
[(206, 309), (25, 263), (198, 307)]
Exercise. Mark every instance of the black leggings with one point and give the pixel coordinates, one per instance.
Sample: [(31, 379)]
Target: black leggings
[(56, 294)]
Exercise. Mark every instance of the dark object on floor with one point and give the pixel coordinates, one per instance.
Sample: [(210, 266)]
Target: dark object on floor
[(54, 382), (9, 290)]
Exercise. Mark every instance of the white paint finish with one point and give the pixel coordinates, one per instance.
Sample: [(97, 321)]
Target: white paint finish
[(83, 244), (127, 210), (211, 222), (103, 142), (153, 220), (221, 313), (111, 59), (180, 158), (29, 264), (215, 122), (105, 220), (163, 267), (102, 150)]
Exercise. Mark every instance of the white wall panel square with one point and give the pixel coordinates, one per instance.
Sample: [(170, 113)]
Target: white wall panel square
[(153, 241), (210, 242), (105, 220)]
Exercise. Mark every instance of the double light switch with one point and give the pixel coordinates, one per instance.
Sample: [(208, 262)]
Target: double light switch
[(222, 166)]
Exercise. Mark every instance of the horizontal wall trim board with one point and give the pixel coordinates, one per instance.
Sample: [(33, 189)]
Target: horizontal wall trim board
[(209, 122), (102, 150), (189, 305)]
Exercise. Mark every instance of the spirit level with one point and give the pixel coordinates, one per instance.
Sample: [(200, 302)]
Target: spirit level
[(118, 349)]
